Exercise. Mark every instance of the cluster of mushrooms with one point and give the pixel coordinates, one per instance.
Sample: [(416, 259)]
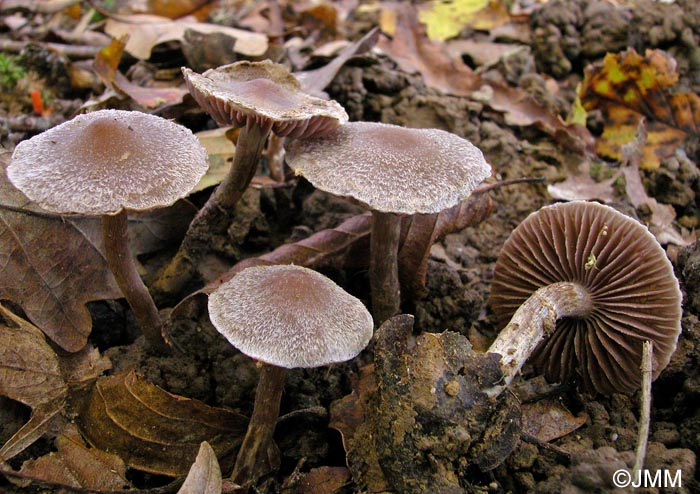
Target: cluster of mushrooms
[(582, 285)]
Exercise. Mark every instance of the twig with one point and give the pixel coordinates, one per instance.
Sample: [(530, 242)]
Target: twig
[(41, 6), (529, 438), (645, 409), (526, 180), (70, 51)]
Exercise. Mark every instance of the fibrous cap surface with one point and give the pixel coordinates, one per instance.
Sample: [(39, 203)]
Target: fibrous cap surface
[(290, 316), (265, 92), (391, 169), (106, 161), (635, 294)]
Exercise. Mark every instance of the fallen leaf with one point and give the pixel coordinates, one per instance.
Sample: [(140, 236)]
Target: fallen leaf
[(663, 216), (445, 19), (204, 51), (51, 268), (30, 373), (106, 63), (323, 480), (315, 81), (580, 186), (548, 420), (627, 87), (74, 464), (204, 476), (153, 430), (147, 31), (414, 52), (220, 151)]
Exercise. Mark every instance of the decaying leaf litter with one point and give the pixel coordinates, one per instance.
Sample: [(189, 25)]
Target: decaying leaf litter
[(599, 98)]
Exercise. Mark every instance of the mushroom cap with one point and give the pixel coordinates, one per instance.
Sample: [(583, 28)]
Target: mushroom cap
[(290, 316), (266, 92), (389, 168), (635, 294), (106, 161)]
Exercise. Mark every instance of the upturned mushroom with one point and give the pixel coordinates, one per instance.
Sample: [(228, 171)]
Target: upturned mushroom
[(258, 97), (284, 317), (584, 287), (394, 171), (104, 164)]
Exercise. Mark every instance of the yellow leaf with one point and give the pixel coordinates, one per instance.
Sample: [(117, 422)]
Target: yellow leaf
[(629, 86), (444, 19)]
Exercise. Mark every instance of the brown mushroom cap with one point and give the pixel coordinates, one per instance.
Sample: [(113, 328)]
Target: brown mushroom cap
[(635, 294), (106, 161), (265, 92), (290, 316), (391, 169)]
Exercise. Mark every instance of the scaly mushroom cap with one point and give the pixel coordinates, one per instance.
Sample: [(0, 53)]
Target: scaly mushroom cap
[(106, 161), (391, 169), (635, 294), (290, 316), (265, 92)]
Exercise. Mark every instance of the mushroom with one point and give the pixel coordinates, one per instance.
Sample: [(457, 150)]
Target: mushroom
[(586, 286), (284, 317), (104, 164), (258, 97), (394, 171)]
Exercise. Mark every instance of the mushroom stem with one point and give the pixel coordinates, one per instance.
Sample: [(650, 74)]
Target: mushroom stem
[(216, 215), (116, 240), (249, 149), (257, 455), (534, 321), (383, 265)]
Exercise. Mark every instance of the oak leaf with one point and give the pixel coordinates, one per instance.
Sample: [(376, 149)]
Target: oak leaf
[(628, 87), (74, 464), (30, 373), (153, 430)]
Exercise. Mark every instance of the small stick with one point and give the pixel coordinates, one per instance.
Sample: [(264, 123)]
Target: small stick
[(70, 51), (645, 409), (561, 452)]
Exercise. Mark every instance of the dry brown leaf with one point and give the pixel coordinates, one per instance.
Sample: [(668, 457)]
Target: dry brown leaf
[(323, 480), (106, 63), (147, 31), (548, 420), (580, 186), (663, 216), (204, 476), (153, 430), (29, 373), (55, 265), (74, 464), (315, 81), (414, 52), (51, 269), (628, 87)]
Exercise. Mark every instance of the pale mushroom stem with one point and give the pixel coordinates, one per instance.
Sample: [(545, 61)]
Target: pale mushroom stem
[(534, 321), (123, 265), (218, 211), (257, 457), (383, 265)]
